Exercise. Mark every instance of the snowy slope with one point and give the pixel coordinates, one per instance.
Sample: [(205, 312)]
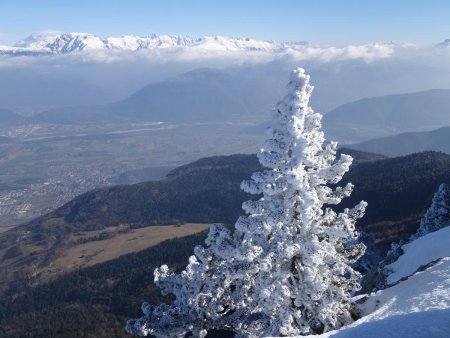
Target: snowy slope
[(420, 252), (418, 307)]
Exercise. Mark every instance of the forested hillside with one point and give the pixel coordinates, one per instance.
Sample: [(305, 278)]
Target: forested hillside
[(98, 299)]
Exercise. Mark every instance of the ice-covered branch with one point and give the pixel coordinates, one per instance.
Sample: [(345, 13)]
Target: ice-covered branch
[(286, 268)]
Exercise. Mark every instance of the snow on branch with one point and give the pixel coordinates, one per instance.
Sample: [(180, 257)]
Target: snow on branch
[(286, 268)]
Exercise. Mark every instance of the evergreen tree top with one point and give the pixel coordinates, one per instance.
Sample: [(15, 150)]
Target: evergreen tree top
[(286, 268)]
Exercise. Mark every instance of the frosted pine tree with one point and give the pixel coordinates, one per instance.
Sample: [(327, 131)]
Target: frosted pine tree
[(438, 215), (286, 268)]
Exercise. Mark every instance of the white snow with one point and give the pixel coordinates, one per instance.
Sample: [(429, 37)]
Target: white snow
[(185, 47), (286, 269), (420, 252), (418, 307), (76, 42)]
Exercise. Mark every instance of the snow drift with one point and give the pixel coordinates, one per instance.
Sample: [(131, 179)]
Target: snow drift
[(419, 304)]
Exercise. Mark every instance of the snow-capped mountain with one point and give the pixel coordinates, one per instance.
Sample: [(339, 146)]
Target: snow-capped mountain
[(444, 44), (77, 42), (65, 43), (175, 47)]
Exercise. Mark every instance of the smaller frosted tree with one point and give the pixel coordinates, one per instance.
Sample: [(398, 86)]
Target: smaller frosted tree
[(438, 215), (287, 267)]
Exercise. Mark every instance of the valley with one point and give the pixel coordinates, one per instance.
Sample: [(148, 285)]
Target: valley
[(224, 169), (44, 166), (102, 224)]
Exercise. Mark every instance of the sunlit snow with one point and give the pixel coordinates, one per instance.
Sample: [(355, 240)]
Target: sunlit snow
[(416, 307), (420, 252)]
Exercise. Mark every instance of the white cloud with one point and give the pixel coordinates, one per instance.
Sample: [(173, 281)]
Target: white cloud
[(368, 53), (90, 48), (209, 51)]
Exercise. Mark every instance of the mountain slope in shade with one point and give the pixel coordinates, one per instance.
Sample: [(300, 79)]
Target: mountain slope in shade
[(388, 115), (202, 95), (408, 143), (207, 191), (96, 301)]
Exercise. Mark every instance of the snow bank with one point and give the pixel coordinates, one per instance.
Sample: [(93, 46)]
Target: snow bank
[(420, 252), (417, 307)]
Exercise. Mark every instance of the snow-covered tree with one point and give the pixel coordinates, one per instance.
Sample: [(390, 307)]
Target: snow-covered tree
[(438, 215), (286, 268)]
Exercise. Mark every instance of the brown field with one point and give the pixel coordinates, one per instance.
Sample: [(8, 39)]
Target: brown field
[(99, 251)]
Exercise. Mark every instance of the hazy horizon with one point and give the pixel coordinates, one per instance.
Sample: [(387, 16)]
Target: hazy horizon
[(319, 22)]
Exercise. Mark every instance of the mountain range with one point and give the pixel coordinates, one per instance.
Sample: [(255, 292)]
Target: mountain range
[(66, 43), (408, 143), (236, 95), (388, 115), (196, 96), (390, 125)]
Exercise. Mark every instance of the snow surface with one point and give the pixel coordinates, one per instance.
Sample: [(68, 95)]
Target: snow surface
[(418, 307), (420, 252), (57, 43), (75, 42)]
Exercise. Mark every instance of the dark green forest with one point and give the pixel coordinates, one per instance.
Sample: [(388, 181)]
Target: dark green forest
[(91, 302), (96, 301)]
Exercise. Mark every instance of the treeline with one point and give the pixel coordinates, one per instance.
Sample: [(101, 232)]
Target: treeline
[(96, 301), (91, 302)]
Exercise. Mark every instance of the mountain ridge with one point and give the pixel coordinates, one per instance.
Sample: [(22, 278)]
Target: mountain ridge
[(99, 299), (408, 143), (397, 190), (199, 95), (388, 115), (66, 43)]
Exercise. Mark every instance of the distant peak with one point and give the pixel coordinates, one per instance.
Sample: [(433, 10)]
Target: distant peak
[(444, 44), (186, 47)]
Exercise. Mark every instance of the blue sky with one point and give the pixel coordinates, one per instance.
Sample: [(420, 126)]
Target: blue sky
[(334, 22)]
